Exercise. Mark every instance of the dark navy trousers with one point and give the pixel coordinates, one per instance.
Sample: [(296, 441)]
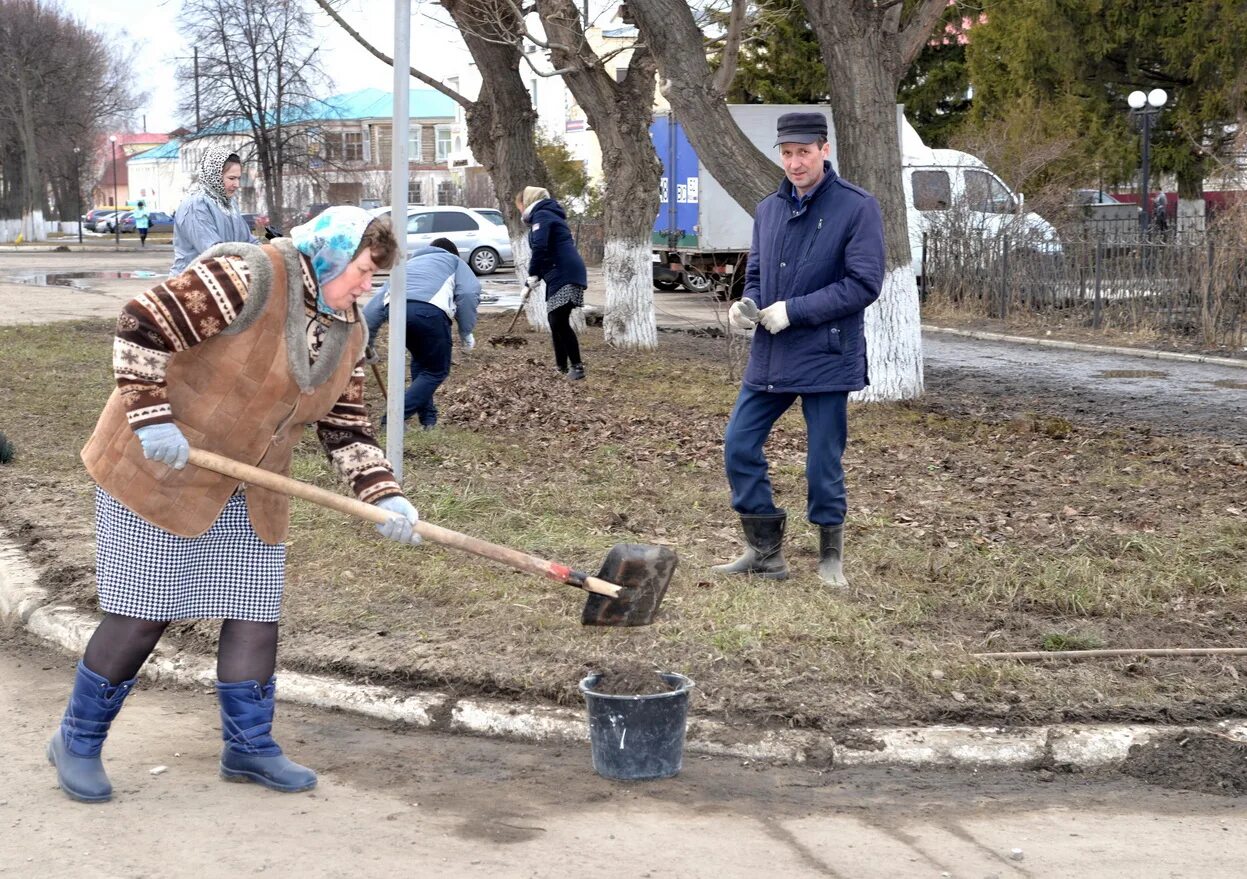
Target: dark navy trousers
[(826, 424), (428, 341)]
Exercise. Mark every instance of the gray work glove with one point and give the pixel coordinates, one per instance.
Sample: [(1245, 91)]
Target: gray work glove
[(164, 443), (399, 527), (743, 315)]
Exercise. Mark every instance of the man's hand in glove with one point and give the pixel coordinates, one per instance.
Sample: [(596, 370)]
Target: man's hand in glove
[(743, 315), (774, 317)]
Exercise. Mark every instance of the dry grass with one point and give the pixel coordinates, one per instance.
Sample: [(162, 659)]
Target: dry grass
[(965, 535)]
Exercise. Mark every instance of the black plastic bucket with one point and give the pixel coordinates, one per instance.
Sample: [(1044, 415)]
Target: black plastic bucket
[(638, 737)]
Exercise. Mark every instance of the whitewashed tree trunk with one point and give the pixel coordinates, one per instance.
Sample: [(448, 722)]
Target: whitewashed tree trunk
[(894, 341), (1191, 215), (33, 227), (629, 321), (535, 309)]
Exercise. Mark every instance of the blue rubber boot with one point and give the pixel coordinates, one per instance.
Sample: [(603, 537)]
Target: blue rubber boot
[(250, 753), (75, 747)]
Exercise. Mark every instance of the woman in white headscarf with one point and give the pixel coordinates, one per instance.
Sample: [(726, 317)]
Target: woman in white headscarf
[(208, 215)]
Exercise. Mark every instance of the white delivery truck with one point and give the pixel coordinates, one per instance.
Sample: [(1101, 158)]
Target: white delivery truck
[(702, 236)]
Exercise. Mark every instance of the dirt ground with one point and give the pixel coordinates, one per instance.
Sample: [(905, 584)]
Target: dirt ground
[(396, 802), (999, 512)]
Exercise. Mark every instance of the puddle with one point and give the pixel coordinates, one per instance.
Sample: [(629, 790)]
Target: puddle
[(1131, 373), (1231, 384), (79, 280)]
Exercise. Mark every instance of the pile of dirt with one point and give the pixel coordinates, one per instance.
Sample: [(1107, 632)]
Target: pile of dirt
[(631, 679), (1199, 761)]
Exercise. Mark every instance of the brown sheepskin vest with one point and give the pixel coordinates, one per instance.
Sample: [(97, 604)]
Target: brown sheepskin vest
[(246, 394)]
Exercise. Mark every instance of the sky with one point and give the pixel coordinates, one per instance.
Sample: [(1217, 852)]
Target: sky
[(150, 26)]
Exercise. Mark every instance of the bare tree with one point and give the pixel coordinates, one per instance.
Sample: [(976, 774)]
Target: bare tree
[(501, 120), (258, 77), (867, 46), (619, 111), (60, 84)]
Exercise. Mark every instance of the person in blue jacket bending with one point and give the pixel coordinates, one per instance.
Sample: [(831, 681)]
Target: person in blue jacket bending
[(815, 264), (440, 288)]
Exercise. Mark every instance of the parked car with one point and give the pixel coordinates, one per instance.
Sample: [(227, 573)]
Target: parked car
[(493, 215), (482, 243), (312, 210), (108, 222), (96, 217), (1093, 196), (158, 221)]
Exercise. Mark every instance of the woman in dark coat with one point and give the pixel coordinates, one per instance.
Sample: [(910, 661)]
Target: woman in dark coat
[(556, 261)]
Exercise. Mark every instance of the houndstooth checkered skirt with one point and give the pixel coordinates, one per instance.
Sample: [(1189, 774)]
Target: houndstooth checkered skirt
[(225, 573)]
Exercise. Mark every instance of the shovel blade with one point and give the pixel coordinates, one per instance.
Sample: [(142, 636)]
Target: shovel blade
[(644, 571)]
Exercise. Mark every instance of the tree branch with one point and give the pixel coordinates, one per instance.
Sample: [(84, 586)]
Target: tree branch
[(914, 36), (377, 53), (727, 68)]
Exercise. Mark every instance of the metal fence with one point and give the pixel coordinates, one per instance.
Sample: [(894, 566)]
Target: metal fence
[(1191, 285)]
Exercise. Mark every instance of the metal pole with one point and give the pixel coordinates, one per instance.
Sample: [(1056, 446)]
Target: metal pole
[(117, 215), (399, 176), (197, 124), (1099, 261), (1147, 157), (78, 189)]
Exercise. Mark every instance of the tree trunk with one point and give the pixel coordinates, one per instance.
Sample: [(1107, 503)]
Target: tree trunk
[(668, 29), (863, 75), (32, 180), (619, 114)]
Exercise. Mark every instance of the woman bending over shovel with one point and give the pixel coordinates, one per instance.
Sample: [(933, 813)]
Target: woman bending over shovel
[(235, 355), (556, 261)]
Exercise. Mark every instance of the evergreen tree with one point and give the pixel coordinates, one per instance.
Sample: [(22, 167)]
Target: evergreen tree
[(779, 61), (936, 89), (1075, 61)]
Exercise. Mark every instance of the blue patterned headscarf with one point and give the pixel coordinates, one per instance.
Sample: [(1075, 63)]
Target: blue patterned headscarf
[(331, 238)]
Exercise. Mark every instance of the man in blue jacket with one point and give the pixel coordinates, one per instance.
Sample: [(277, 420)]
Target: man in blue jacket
[(440, 288), (815, 264)]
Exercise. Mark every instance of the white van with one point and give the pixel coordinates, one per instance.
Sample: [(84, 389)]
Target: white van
[(955, 191)]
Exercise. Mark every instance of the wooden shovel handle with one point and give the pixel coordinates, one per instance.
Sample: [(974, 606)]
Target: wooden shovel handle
[(294, 488), (520, 310)]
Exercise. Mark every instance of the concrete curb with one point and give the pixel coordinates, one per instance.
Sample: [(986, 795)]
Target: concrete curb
[(1093, 349), (1078, 747)]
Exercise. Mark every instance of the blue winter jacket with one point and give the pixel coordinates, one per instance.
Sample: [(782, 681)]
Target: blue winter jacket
[(555, 259), (825, 258), (438, 277)]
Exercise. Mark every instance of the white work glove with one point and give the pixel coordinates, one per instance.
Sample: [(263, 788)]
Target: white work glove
[(531, 282), (164, 443), (399, 527), (469, 342), (775, 317), (743, 315)]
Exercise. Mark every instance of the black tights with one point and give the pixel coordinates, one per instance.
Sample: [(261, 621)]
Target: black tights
[(566, 345), (247, 650)]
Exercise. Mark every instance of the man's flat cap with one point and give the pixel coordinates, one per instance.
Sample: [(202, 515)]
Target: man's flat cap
[(800, 128)]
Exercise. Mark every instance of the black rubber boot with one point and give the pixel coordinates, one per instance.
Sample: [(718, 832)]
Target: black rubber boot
[(831, 555), (764, 552), (75, 747), (250, 753), (577, 372)]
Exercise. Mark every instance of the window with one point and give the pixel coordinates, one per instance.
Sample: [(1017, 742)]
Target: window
[(419, 224), (413, 143), (345, 146), (621, 73), (445, 192), (987, 194), (415, 192), (453, 221), (443, 142), (931, 190)]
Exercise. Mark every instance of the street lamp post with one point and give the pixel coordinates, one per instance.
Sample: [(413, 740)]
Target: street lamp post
[(1146, 106), (112, 142), (78, 188)]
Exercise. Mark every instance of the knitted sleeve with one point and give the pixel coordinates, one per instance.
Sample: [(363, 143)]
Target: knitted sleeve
[(170, 317), (346, 434)]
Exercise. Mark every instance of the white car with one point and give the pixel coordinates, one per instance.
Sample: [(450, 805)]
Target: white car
[(483, 244)]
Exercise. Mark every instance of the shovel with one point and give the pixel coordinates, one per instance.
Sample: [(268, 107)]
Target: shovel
[(626, 591), (506, 338)]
